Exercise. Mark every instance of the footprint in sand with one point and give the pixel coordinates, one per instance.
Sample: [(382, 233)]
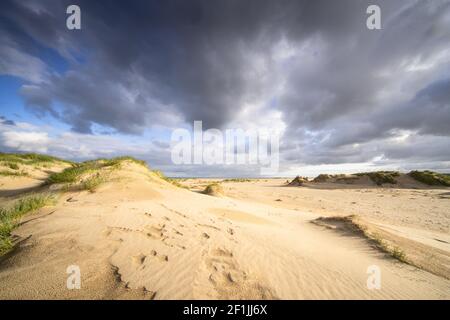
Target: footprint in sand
[(139, 259), (154, 235), (208, 226), (221, 252), (160, 257), (229, 281), (174, 211), (124, 229), (223, 270), (155, 232), (177, 232), (205, 235)]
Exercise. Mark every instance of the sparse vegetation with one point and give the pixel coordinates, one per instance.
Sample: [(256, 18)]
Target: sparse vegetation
[(236, 180), (69, 175), (337, 177), (381, 177), (9, 217), (92, 183), (29, 158), (347, 179), (12, 165), (72, 174), (352, 222), (431, 178), (160, 174), (213, 189), (13, 173), (378, 177), (322, 178), (298, 181), (394, 251), (399, 254), (173, 181), (128, 158)]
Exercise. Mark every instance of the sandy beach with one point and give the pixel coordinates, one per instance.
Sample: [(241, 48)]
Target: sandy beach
[(225, 150), (139, 236)]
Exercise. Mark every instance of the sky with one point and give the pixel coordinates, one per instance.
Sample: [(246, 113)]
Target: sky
[(343, 98)]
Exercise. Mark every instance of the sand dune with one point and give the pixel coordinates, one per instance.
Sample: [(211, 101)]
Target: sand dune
[(138, 236)]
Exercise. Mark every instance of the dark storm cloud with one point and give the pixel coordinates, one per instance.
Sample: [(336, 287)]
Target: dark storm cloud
[(141, 63), (195, 55), (346, 77), (429, 111)]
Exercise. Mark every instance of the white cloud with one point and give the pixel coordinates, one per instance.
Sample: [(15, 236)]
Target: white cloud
[(25, 141), (19, 64)]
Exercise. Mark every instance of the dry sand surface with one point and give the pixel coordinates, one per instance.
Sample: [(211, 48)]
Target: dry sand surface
[(138, 236)]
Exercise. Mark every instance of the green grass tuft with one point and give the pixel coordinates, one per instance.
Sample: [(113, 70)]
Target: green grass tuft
[(322, 178), (399, 254), (161, 175), (10, 216), (213, 189), (393, 251), (13, 173), (128, 158), (12, 165), (74, 173), (381, 177), (92, 183), (69, 175), (29, 158), (431, 178)]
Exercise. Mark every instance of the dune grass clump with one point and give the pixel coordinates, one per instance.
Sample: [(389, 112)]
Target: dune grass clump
[(399, 254), (393, 251), (13, 173), (173, 181), (431, 178), (360, 229), (128, 158), (92, 183), (29, 158), (114, 162), (381, 177), (69, 175), (347, 179), (213, 189), (10, 216), (322, 178), (72, 174), (298, 181), (12, 165)]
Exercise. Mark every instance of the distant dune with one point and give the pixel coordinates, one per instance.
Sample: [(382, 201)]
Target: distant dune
[(135, 233), (392, 179)]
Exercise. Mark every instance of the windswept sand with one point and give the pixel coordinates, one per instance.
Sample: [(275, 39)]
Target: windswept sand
[(415, 218), (141, 237)]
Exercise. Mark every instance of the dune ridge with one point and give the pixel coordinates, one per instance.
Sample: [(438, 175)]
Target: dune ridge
[(136, 235)]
